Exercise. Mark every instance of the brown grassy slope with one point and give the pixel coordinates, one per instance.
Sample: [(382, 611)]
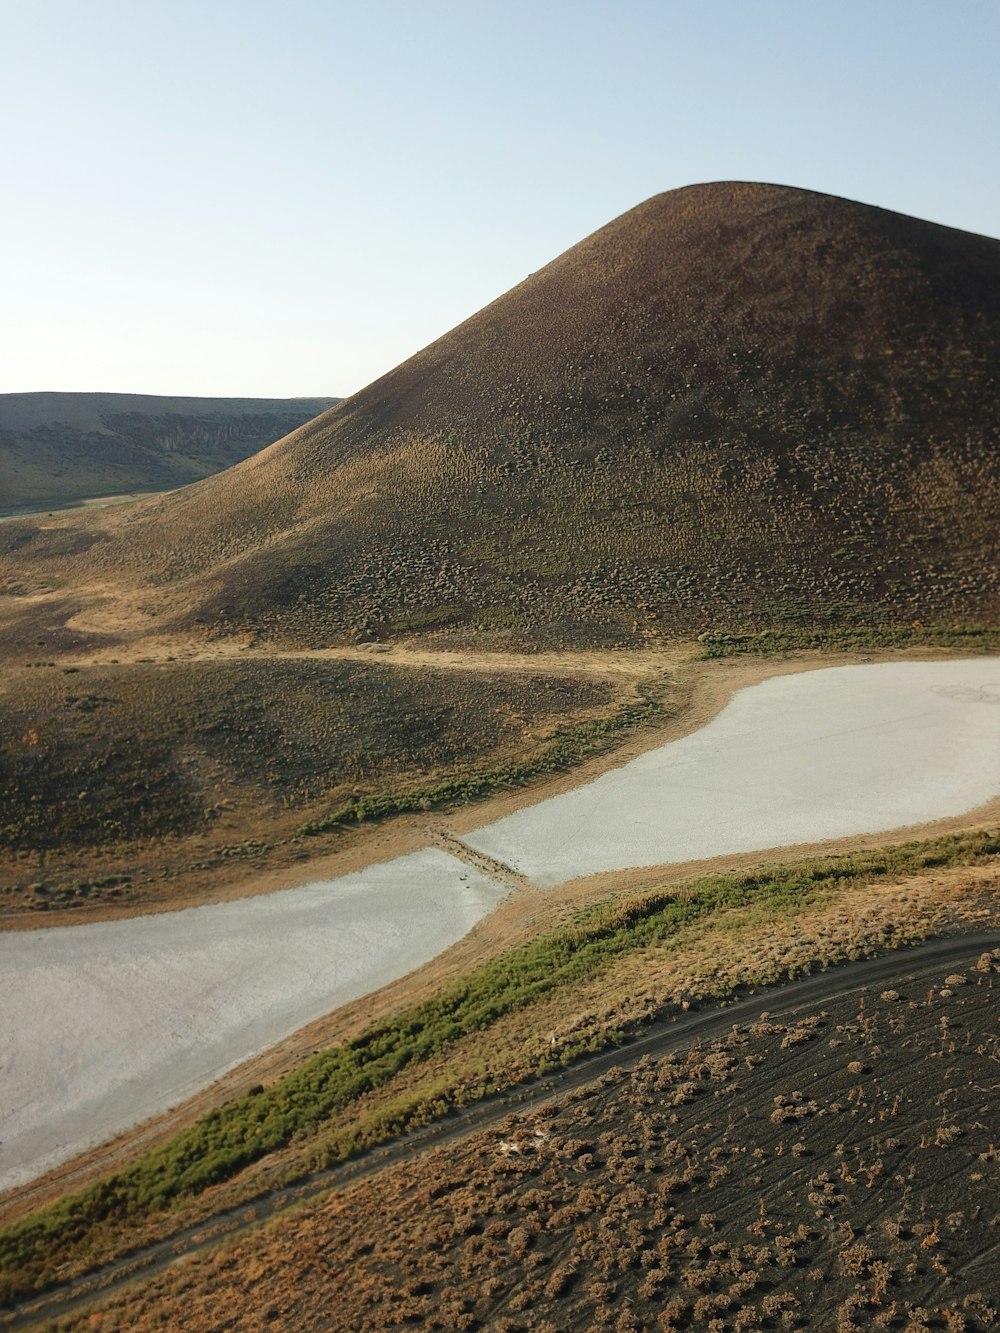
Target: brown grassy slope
[(826, 1169), (110, 758), (736, 405), (59, 447)]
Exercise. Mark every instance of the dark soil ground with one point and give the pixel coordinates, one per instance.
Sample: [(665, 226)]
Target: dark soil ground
[(827, 1168)]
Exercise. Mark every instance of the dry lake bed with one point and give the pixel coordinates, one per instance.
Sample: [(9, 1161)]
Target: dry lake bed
[(796, 759), (107, 1024)]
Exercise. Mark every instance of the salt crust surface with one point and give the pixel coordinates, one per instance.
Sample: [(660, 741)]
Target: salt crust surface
[(795, 759), (106, 1024)]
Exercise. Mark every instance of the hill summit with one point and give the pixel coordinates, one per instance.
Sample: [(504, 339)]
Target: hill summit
[(736, 406)]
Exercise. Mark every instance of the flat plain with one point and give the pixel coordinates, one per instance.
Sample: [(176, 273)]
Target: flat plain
[(108, 1024), (797, 759)]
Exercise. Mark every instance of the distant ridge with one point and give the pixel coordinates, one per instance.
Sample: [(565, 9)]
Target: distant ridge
[(57, 447), (736, 406)]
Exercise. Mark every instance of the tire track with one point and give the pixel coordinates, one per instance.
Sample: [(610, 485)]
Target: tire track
[(906, 964)]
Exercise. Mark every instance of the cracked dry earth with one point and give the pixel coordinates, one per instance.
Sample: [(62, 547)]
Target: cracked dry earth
[(819, 1168)]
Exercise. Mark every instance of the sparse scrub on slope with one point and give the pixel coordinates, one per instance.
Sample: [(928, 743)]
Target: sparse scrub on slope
[(757, 1181), (108, 755), (769, 643), (737, 405), (570, 745)]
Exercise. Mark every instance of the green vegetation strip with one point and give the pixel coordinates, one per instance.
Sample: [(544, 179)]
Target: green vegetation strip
[(247, 1129), (768, 643), (567, 747)]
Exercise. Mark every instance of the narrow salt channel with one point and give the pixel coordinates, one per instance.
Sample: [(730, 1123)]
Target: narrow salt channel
[(797, 759), (107, 1024)]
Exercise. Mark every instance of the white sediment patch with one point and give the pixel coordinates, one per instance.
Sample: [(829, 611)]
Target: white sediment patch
[(104, 1025), (797, 759)]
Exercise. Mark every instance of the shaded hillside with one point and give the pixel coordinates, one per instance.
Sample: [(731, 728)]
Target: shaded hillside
[(58, 447), (106, 754), (736, 406)]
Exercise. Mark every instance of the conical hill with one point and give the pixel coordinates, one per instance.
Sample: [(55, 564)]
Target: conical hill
[(736, 406)]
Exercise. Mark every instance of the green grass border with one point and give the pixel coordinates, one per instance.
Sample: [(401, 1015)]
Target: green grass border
[(768, 643), (250, 1127)]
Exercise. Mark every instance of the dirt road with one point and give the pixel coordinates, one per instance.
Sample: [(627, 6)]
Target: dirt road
[(910, 966)]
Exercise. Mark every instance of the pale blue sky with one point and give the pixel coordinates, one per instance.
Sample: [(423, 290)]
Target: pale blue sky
[(254, 197)]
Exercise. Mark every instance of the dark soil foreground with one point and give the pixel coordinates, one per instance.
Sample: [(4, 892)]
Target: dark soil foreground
[(818, 1168)]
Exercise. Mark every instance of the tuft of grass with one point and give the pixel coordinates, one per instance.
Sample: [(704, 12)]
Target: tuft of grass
[(250, 1127)]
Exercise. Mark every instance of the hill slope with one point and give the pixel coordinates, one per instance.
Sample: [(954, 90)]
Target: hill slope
[(58, 447), (764, 1180), (735, 406)]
